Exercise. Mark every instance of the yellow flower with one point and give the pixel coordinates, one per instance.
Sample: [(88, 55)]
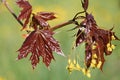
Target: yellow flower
[(92, 65), (70, 66), (99, 64), (73, 65), (69, 61), (110, 47), (93, 61), (113, 37), (113, 46), (94, 56), (88, 75), (74, 61), (77, 67), (86, 72)]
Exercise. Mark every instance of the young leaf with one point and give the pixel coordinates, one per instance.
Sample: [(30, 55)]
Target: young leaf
[(40, 43), (25, 12), (41, 19), (46, 15)]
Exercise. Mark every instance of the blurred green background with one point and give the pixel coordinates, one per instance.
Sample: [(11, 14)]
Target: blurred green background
[(107, 15)]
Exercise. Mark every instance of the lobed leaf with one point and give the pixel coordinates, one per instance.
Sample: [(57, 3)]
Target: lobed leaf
[(25, 12), (40, 43), (41, 19)]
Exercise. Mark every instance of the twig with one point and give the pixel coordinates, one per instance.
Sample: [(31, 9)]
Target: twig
[(11, 11), (62, 25), (77, 15)]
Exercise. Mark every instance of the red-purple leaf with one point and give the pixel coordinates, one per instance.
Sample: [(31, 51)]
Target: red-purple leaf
[(40, 43), (41, 19), (46, 15), (25, 12)]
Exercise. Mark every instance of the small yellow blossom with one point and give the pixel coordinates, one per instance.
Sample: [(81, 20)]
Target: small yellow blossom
[(94, 56), (110, 47), (99, 64), (73, 65), (74, 61), (86, 72), (69, 61), (70, 68), (88, 75), (113, 46), (93, 61), (92, 65), (113, 37), (78, 67)]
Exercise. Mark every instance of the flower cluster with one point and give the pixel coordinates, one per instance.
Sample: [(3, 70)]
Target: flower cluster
[(73, 65)]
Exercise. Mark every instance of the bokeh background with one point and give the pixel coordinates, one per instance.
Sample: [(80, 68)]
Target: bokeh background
[(107, 15)]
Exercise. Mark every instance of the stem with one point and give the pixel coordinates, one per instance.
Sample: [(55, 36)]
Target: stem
[(11, 11), (77, 15), (62, 25)]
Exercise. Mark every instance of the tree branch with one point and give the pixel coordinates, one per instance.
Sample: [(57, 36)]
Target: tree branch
[(11, 11), (62, 25)]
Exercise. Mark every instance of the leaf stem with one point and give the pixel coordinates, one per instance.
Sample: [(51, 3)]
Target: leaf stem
[(11, 11)]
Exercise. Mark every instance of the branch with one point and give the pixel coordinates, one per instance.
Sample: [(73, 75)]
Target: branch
[(12, 12), (62, 25)]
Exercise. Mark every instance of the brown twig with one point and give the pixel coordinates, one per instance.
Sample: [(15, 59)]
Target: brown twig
[(61, 25), (11, 11)]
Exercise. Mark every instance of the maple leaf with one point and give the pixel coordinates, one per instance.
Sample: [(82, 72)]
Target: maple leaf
[(25, 12), (40, 43), (41, 19)]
